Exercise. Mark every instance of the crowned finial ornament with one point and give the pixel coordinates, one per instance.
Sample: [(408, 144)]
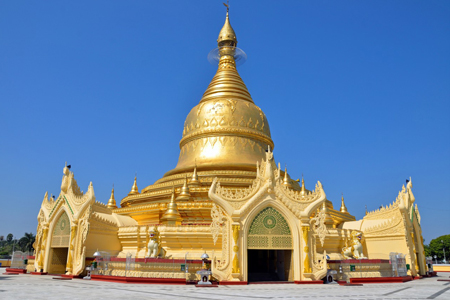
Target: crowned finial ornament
[(227, 36), (227, 5), (227, 53)]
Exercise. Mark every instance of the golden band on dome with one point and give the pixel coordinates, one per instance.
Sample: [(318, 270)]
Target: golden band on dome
[(228, 132)]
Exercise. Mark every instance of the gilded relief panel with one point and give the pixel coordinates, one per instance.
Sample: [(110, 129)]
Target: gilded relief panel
[(269, 230), (61, 232)]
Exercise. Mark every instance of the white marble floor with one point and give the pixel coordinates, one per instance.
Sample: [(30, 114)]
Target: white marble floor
[(44, 287)]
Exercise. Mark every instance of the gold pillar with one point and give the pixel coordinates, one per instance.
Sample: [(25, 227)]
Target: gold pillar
[(73, 232), (424, 261), (236, 268), (416, 265), (41, 255), (306, 263)]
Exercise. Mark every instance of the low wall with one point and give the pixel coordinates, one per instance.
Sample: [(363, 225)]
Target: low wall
[(5, 262), (30, 264), (441, 268), (363, 268), (150, 268)]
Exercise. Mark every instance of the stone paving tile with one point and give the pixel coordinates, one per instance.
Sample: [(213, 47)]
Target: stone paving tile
[(44, 287)]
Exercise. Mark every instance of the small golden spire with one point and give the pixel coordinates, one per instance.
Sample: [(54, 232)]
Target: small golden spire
[(286, 180), (134, 188), (303, 190), (194, 179), (112, 202), (366, 210), (172, 216), (343, 208), (184, 194)]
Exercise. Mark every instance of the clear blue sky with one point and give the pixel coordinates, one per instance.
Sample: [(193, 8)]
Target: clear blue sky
[(357, 94)]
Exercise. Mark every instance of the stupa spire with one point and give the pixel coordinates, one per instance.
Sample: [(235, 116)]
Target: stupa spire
[(286, 180), (134, 188), (194, 179), (172, 215), (303, 190), (184, 194), (343, 207), (226, 112), (112, 201), (227, 83)]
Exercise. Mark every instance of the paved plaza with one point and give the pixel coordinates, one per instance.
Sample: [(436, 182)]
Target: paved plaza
[(26, 286)]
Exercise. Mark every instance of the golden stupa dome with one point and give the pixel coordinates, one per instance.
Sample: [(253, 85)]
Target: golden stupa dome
[(226, 129)]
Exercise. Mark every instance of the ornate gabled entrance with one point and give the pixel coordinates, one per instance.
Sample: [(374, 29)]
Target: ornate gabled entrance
[(59, 246), (269, 247)]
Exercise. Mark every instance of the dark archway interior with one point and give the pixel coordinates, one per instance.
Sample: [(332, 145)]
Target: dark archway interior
[(269, 265), (58, 260)]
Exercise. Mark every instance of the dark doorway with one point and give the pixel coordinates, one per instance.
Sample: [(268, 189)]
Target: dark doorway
[(58, 260), (269, 265)]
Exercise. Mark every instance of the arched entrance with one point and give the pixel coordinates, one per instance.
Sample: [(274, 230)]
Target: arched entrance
[(269, 248), (59, 245)]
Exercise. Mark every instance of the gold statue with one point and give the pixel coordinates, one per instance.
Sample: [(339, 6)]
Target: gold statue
[(354, 249), (154, 246)]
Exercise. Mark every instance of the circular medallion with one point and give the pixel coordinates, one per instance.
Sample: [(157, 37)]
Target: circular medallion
[(269, 222), (63, 225)]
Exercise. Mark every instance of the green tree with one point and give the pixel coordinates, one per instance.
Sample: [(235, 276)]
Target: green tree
[(9, 237), (26, 242), (437, 247)]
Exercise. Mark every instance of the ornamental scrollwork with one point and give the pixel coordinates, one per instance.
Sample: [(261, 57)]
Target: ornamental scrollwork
[(83, 230), (217, 223), (318, 226), (231, 194)]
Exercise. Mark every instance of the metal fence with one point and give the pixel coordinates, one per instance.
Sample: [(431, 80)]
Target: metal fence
[(398, 263), (19, 260)]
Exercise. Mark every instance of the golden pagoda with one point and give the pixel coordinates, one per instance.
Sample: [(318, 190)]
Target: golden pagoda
[(226, 197), (172, 216)]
